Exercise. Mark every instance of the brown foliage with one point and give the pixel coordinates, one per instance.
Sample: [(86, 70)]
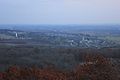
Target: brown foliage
[(95, 67)]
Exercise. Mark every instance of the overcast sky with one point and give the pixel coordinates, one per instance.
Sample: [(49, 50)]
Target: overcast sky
[(59, 11)]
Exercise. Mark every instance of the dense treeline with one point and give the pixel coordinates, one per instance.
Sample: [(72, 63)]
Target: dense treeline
[(94, 67), (63, 58)]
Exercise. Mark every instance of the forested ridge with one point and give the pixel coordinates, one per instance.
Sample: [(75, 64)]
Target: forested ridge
[(58, 63)]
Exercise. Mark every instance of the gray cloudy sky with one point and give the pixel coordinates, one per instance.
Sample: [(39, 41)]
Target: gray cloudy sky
[(59, 11)]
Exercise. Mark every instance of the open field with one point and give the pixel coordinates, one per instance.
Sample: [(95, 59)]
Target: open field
[(112, 38)]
